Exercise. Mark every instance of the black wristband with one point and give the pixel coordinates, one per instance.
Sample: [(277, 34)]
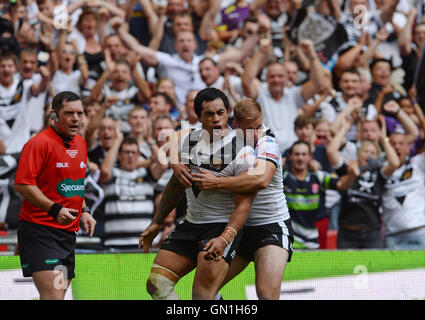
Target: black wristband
[(54, 210), (86, 209)]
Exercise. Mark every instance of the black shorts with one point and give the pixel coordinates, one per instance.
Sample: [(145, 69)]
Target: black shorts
[(255, 237), (188, 239), (43, 248)]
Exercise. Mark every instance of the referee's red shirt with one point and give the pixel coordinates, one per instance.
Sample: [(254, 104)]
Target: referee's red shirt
[(59, 173)]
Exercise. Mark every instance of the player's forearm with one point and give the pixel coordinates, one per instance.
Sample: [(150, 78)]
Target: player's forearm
[(33, 195), (170, 199), (244, 183), (243, 204)]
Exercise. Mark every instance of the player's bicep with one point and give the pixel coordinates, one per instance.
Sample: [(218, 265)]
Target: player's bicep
[(264, 169)]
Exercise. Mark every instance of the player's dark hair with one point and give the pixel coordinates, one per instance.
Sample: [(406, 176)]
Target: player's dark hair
[(207, 95), (61, 97)]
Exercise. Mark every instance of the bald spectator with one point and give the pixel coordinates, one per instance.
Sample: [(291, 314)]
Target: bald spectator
[(277, 101)]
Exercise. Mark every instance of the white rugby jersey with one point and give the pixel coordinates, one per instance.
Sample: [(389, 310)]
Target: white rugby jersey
[(226, 157), (269, 205), (404, 197)]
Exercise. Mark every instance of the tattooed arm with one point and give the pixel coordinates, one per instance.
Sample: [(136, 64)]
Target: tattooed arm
[(170, 199)]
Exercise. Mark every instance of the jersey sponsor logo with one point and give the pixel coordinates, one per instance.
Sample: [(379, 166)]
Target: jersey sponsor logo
[(72, 153), (315, 187), (62, 165), (216, 162), (271, 155), (82, 165), (69, 188)]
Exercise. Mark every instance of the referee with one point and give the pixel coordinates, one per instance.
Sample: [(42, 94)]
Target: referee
[(50, 178)]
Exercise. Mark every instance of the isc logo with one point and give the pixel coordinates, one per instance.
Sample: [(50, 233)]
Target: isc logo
[(62, 165)]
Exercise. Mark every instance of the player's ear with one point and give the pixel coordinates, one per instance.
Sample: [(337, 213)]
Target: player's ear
[(54, 116)]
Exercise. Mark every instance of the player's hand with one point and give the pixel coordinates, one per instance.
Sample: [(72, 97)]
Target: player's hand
[(182, 172), (205, 180), (88, 223), (66, 216), (147, 237), (214, 249)]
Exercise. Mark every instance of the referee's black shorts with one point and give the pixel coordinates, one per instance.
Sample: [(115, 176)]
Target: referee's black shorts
[(188, 239), (255, 237), (43, 248)]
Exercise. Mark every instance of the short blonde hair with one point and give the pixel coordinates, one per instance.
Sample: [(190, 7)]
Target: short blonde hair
[(246, 109)]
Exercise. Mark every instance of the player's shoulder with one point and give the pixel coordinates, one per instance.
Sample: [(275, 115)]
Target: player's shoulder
[(268, 138), (245, 154)]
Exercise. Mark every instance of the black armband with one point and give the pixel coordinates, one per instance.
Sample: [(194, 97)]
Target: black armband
[(54, 210), (86, 209)]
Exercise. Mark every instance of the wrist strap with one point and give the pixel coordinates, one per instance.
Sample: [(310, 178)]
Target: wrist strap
[(54, 210), (227, 244), (228, 234)]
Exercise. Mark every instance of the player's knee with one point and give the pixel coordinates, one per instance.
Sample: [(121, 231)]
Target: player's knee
[(267, 292), (52, 295), (160, 287)]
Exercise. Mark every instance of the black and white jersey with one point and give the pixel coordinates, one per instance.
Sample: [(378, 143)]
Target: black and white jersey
[(14, 122), (226, 157), (404, 197), (269, 205), (129, 206)]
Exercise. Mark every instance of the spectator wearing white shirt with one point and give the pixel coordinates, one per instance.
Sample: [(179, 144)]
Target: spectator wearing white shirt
[(183, 67), (28, 73), (280, 105), (15, 95)]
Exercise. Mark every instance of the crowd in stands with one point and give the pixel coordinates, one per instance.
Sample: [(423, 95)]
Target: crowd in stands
[(341, 84)]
